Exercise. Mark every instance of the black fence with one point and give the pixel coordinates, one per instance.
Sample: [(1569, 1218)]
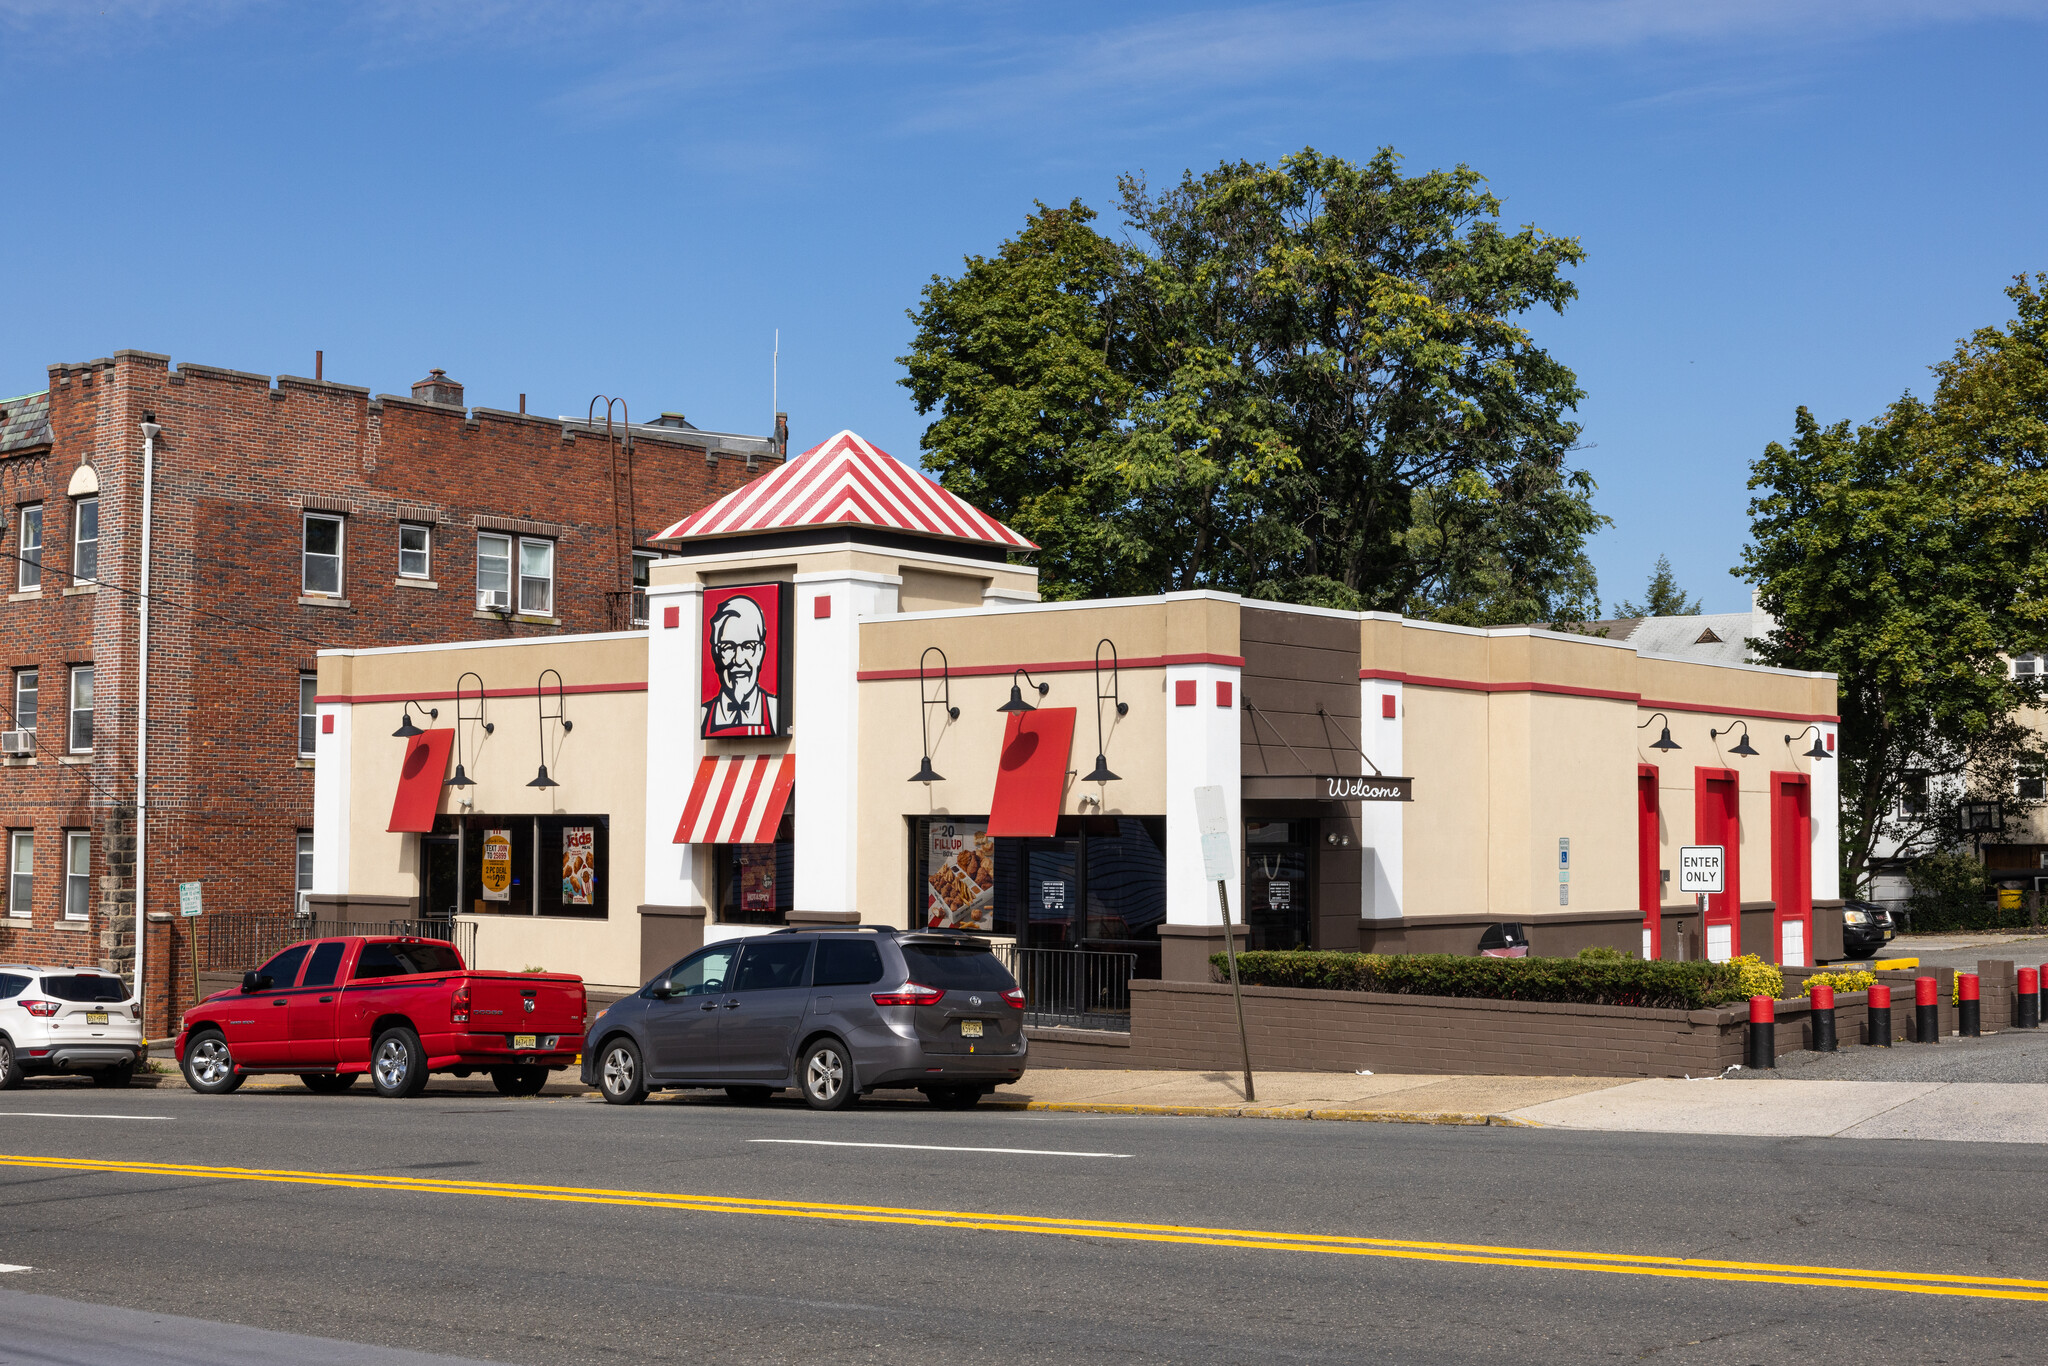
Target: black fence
[(1073, 988), (238, 943)]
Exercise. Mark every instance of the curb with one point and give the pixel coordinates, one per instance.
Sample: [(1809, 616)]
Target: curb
[(1442, 1117)]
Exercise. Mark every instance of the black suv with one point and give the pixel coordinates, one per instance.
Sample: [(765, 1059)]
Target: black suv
[(1866, 928)]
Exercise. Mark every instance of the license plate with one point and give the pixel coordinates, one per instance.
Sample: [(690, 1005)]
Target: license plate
[(526, 1040), (95, 1017), (970, 1029)]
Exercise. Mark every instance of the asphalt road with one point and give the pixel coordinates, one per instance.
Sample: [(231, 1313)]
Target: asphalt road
[(378, 1241)]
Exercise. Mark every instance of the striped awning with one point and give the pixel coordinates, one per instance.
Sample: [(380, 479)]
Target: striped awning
[(737, 799)]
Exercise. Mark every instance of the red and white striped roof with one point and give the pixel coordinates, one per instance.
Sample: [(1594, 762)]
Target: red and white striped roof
[(846, 481), (737, 799)]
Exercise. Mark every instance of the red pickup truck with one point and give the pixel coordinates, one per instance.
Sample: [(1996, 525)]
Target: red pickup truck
[(395, 1007)]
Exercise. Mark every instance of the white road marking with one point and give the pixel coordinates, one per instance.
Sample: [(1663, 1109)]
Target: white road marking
[(65, 1114), (5, 1268), (933, 1147)]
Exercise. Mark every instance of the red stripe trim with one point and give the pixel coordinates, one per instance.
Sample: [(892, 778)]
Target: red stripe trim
[(778, 798), (731, 772), (757, 769), (1074, 666), (573, 689), (1566, 690), (695, 806)]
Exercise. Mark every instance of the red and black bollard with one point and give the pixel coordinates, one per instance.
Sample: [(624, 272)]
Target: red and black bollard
[(1969, 1008), (1926, 1010), (1823, 998), (1878, 1033), (1763, 1033), (2026, 1009)]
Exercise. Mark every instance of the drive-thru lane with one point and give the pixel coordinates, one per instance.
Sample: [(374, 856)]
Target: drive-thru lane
[(563, 1230)]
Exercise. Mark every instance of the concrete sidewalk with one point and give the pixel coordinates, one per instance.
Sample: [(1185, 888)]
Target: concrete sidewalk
[(1964, 1112)]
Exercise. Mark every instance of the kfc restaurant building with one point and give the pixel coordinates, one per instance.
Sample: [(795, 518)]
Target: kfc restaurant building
[(851, 707)]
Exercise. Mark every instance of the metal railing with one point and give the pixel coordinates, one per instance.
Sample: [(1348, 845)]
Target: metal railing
[(238, 943), (1073, 988)]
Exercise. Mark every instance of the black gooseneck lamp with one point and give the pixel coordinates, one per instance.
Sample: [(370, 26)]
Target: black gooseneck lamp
[(926, 774), (540, 702), (1663, 741), (1742, 746), (406, 729), (1123, 708), (1819, 751), (1017, 702), (462, 778)]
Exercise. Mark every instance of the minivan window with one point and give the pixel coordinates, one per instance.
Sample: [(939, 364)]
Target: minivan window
[(326, 963), (952, 969), (768, 964), (10, 985), (847, 963), (283, 970), (93, 989), (703, 972), (406, 960)]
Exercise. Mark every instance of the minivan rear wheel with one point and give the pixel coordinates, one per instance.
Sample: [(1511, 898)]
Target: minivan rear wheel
[(826, 1076)]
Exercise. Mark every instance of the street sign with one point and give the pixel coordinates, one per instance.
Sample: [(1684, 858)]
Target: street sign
[(1219, 856), (1700, 869), (189, 904)]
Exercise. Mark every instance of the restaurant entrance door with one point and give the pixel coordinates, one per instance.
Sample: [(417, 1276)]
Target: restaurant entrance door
[(1278, 902)]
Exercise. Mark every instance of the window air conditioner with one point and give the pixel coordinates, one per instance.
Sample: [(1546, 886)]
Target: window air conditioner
[(17, 743), (493, 600)]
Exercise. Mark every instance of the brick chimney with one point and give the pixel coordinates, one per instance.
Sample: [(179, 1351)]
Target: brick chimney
[(438, 388)]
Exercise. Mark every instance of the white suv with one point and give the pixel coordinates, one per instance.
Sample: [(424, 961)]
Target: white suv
[(68, 1020)]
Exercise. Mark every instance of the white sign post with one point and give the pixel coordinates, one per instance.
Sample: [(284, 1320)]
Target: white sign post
[(1219, 854), (1702, 871)]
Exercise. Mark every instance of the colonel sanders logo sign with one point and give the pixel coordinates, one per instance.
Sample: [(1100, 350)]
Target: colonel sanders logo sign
[(744, 661)]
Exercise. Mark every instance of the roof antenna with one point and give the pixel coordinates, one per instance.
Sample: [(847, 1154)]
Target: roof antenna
[(775, 381)]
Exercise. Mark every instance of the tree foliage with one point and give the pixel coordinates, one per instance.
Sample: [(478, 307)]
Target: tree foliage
[(1299, 382), (1663, 598)]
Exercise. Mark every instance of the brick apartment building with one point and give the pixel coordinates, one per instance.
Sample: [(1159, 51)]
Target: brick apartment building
[(287, 516)]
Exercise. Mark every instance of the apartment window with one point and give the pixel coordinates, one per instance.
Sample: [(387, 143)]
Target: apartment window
[(21, 872), (493, 572), (25, 698), (537, 577), (2032, 785), (85, 540), (81, 709), (305, 877), (643, 570), (309, 720), (415, 544), (323, 555), (77, 875), (31, 554), (2029, 666), (1913, 795)]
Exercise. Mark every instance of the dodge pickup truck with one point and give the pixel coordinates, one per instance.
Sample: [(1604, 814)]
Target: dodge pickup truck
[(395, 1007)]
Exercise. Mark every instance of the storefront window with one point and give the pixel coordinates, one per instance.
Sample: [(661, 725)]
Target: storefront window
[(1276, 886), (1099, 883), (757, 882), (506, 859)]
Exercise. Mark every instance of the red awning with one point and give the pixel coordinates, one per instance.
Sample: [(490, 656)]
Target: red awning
[(419, 780), (1032, 775), (737, 800)]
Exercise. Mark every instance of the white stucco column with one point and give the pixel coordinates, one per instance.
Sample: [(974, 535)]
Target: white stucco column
[(830, 606), (331, 794), (1202, 742), (1382, 826), (1824, 804), (674, 875)]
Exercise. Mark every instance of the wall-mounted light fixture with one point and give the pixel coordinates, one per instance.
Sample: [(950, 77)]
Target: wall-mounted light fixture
[(1819, 751), (1742, 746), (540, 703), (1123, 708), (926, 774), (406, 729), (1337, 841), (1663, 741), (1017, 702), (462, 778)]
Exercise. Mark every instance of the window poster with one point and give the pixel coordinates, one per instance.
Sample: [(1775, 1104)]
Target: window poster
[(579, 864), (960, 876), (745, 661), (497, 865), (755, 865)]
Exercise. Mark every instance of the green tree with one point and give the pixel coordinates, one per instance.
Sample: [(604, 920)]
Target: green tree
[(1664, 598), (1309, 388)]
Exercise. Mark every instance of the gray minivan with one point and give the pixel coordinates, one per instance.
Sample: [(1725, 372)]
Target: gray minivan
[(834, 1013)]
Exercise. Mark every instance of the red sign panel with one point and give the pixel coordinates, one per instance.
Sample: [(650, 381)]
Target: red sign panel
[(419, 781), (1032, 775), (745, 664)]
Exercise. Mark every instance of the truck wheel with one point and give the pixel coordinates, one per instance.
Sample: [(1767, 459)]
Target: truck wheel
[(826, 1076), (519, 1081), (209, 1066), (620, 1079), (398, 1067), (119, 1075), (10, 1070), (328, 1083)]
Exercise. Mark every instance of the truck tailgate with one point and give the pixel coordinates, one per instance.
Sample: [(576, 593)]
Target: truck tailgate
[(525, 1003)]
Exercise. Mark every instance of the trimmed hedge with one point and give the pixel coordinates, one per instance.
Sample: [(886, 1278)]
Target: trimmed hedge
[(1570, 981)]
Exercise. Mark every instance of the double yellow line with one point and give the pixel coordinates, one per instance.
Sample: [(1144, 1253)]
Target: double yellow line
[(1265, 1240)]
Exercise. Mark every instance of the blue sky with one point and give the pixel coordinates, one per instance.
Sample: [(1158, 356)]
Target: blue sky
[(1800, 201)]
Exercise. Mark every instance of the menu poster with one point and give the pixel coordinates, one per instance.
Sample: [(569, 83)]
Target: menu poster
[(960, 880), (497, 865), (579, 864), (757, 878)]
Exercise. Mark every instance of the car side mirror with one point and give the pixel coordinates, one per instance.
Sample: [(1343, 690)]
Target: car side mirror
[(255, 981), (659, 991)]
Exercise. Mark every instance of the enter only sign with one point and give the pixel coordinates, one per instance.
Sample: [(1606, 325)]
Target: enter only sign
[(1700, 869)]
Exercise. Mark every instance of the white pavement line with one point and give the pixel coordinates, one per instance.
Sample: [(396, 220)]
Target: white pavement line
[(932, 1147), (6, 1267), (66, 1114)]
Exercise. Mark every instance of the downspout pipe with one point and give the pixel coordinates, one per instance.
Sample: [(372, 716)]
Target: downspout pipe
[(150, 432)]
